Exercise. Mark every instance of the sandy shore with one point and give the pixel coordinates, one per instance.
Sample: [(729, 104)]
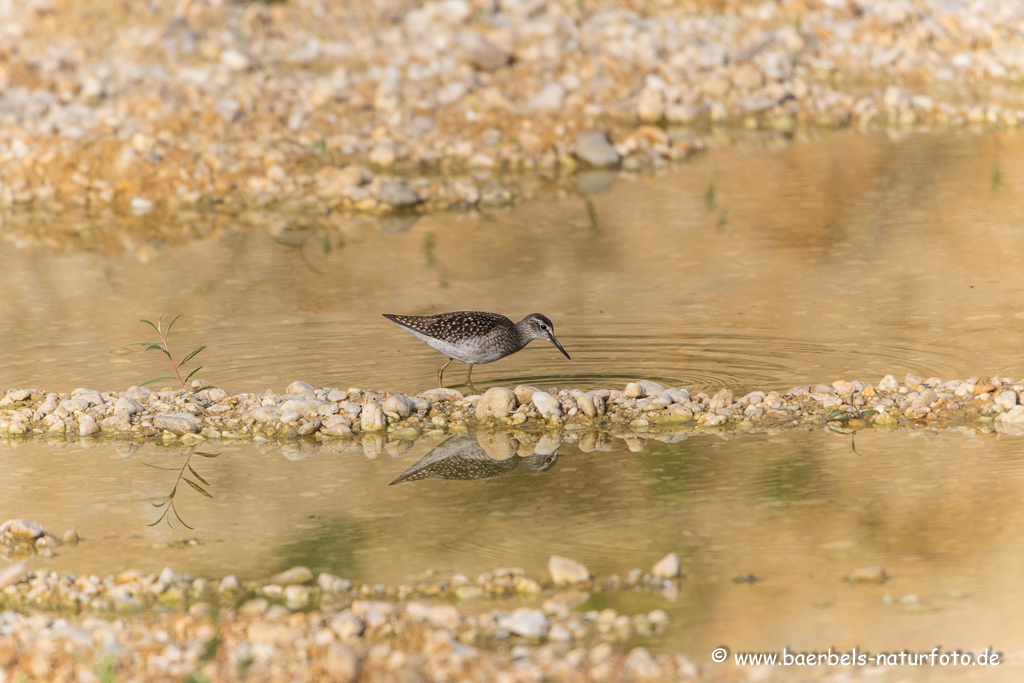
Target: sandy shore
[(317, 106)]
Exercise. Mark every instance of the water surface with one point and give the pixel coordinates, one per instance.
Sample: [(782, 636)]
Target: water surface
[(847, 256), (939, 512)]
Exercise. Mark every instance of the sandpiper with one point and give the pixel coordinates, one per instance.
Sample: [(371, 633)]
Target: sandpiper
[(476, 337)]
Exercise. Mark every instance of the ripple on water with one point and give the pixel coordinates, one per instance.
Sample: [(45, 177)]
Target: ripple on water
[(743, 360), (348, 353)]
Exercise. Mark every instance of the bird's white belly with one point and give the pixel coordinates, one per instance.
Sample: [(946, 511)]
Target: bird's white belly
[(474, 354)]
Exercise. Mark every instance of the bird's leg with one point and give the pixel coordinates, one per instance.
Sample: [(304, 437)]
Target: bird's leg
[(469, 378), (440, 373)]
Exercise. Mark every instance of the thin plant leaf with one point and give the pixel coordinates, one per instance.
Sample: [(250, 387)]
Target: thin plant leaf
[(205, 387), (192, 355), (196, 486), (142, 344), (142, 320), (192, 373), (180, 519), (196, 475), (160, 504), (157, 467), (207, 455), (158, 379), (161, 518), (173, 491), (168, 330)]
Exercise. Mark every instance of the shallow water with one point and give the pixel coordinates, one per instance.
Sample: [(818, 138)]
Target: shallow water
[(798, 511), (848, 256)]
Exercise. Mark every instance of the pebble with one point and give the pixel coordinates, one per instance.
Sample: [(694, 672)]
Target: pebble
[(298, 387), (721, 400), (565, 572), (296, 597), (398, 194), (547, 405), (336, 425), (347, 625), (652, 389), (496, 402), (15, 396), (329, 583), (667, 567), (372, 417), (482, 53), (398, 406), (587, 405), (13, 574), (526, 622), (1014, 415), (295, 575), (634, 390), (594, 148), (867, 575), (888, 384), (341, 664), (549, 98), (1006, 399), (23, 529), (176, 423), (444, 616), (87, 425)]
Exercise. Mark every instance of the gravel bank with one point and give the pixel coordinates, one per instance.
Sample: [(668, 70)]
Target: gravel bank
[(393, 105), (536, 421), (298, 626)]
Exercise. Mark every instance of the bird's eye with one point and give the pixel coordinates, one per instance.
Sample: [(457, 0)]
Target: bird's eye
[(543, 326)]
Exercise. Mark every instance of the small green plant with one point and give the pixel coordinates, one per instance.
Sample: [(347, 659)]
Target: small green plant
[(168, 502), (710, 199), (320, 150), (162, 347), (723, 222), (429, 243), (105, 668)]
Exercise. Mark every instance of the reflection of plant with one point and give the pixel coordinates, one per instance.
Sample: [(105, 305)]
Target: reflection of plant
[(595, 227), (712, 204), (163, 348), (710, 200), (296, 238), (168, 503)]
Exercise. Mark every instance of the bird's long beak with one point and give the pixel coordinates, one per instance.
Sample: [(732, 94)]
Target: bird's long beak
[(555, 342)]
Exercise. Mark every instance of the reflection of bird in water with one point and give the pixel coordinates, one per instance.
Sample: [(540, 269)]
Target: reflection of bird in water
[(462, 457)]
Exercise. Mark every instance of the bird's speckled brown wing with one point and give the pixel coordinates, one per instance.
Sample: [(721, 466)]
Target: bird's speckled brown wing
[(453, 327)]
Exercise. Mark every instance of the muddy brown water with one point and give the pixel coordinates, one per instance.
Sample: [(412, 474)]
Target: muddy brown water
[(753, 267)]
